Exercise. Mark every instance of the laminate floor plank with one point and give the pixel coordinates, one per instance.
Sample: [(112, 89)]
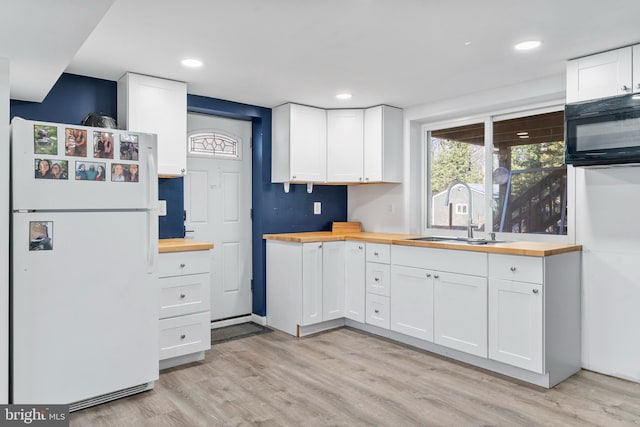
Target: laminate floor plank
[(346, 377)]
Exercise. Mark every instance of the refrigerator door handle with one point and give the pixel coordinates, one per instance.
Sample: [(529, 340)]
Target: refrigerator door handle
[(152, 242), (151, 178)]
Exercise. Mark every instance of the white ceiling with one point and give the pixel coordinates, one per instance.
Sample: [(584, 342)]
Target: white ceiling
[(401, 52)]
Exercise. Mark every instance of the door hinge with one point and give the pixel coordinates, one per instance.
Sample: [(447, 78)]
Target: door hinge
[(251, 143), (251, 214), (251, 285)]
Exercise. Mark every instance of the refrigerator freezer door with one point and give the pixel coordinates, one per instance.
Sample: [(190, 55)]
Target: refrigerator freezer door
[(85, 307), (33, 143)]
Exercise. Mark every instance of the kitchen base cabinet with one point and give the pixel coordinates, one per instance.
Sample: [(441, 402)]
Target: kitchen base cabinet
[(378, 310), (354, 281), (412, 302), (460, 312), (185, 329), (305, 285), (515, 323)]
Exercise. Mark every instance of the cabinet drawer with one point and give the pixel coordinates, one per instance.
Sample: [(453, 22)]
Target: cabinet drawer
[(185, 335), (378, 252), (182, 263), (463, 262), (184, 295), (378, 278), (377, 311), (516, 267)]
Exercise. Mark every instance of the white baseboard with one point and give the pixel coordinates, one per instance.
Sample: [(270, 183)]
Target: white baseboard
[(228, 322), (260, 320)]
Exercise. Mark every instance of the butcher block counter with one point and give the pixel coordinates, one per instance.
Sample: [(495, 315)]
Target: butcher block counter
[(182, 245), (537, 249)]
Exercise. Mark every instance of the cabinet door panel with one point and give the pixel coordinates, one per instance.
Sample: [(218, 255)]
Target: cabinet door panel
[(411, 302), (311, 283), (460, 312), (515, 324), (345, 143), (308, 139), (354, 281), (332, 280), (377, 310), (599, 76), (636, 68)]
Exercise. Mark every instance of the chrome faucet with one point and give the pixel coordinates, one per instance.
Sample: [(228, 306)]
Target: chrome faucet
[(470, 226)]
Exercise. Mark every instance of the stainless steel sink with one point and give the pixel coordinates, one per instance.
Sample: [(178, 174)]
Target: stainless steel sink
[(453, 239)]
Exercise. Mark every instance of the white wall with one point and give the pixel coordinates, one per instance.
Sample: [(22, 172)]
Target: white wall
[(4, 230), (608, 203), (397, 208)]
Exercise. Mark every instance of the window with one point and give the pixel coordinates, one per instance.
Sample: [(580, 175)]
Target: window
[(522, 188), (529, 175), (457, 177), (214, 144)]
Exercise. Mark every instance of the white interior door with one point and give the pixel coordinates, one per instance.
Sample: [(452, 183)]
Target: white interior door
[(218, 205)]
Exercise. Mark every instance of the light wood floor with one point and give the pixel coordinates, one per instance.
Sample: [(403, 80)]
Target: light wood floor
[(348, 378)]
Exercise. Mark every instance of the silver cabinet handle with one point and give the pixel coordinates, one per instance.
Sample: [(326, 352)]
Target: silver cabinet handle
[(366, 179), (428, 274), (183, 170), (183, 336), (376, 311), (435, 276), (182, 265), (377, 279), (638, 86), (294, 177), (375, 254), (625, 88), (512, 269), (360, 247), (535, 291), (320, 246), (182, 296), (360, 179)]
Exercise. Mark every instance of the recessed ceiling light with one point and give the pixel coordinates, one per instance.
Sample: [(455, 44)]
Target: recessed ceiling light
[(529, 44), (193, 63), (344, 96), (522, 133), (467, 43)]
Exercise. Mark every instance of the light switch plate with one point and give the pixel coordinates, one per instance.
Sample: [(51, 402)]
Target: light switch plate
[(162, 207), (317, 208)]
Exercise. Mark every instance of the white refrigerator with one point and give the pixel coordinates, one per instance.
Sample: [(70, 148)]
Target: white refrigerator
[(84, 297)]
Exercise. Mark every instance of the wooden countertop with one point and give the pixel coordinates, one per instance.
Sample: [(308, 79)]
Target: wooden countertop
[(182, 245), (538, 249)]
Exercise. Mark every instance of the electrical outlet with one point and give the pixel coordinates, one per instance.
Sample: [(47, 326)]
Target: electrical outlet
[(317, 208)]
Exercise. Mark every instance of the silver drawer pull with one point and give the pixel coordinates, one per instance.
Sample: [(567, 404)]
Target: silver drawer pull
[(535, 291), (428, 274), (513, 269), (435, 276), (376, 311), (183, 336), (183, 265), (182, 296), (375, 254), (377, 279), (359, 247)]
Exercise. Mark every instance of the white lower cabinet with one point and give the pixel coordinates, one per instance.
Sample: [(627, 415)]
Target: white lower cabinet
[(354, 280), (185, 329), (411, 302), (460, 312), (377, 310), (515, 323), (305, 284)]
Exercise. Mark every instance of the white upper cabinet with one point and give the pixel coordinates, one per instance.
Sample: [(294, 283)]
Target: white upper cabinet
[(636, 68), (336, 146), (603, 75), (345, 145), (383, 144), (154, 105), (299, 144)]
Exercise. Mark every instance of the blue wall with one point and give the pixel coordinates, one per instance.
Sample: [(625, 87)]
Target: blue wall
[(73, 97), (172, 224)]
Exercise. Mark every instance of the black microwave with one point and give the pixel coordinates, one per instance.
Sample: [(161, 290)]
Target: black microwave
[(601, 132)]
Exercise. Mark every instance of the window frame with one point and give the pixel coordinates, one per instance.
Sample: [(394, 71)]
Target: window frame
[(488, 120)]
